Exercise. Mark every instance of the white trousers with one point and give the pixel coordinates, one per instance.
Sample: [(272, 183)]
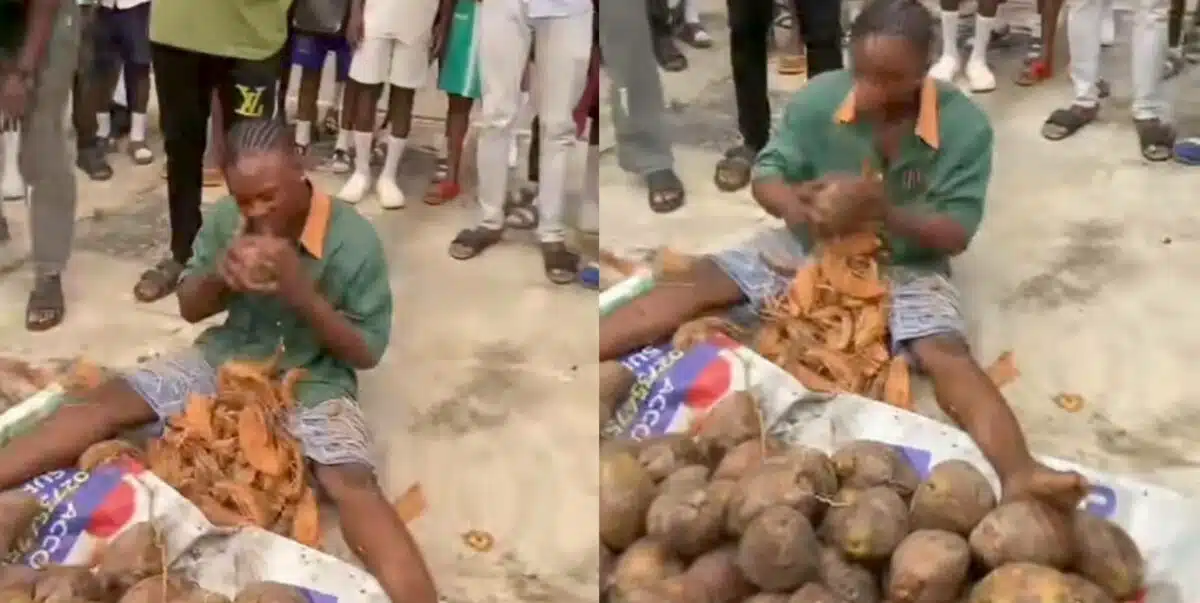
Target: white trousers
[(1149, 51), (563, 47)]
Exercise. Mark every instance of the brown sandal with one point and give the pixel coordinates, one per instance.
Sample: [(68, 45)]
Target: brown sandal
[(159, 281), (561, 264), (471, 242)]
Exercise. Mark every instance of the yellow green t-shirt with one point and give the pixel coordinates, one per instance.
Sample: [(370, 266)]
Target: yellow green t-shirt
[(241, 29)]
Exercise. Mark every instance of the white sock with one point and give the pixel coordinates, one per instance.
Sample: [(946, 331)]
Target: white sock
[(137, 127), (103, 125), (391, 162), (12, 145), (949, 33), (338, 88), (303, 133), (983, 35), (691, 12), (363, 142), (343, 140)]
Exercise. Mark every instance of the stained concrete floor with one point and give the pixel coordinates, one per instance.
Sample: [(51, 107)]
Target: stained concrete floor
[(1085, 268)]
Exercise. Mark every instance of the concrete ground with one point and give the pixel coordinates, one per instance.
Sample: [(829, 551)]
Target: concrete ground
[(485, 398), (1085, 268)]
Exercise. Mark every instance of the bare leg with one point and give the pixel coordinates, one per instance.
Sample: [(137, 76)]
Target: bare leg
[(137, 81), (376, 534), (654, 316), (400, 106), (458, 121), (362, 124), (967, 395), (306, 106), (57, 443)]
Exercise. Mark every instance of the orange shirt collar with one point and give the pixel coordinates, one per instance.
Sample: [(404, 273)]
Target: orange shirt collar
[(927, 116), (316, 226)]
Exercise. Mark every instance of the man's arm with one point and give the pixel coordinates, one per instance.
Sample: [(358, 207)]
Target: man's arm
[(202, 291), (781, 164), (39, 28), (956, 196), (358, 334)]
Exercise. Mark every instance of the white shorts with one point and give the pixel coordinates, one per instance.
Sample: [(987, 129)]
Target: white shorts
[(380, 60)]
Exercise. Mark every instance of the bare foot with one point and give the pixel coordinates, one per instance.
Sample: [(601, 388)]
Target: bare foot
[(1061, 489)]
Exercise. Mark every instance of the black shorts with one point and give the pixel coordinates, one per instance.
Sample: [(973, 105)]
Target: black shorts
[(122, 37)]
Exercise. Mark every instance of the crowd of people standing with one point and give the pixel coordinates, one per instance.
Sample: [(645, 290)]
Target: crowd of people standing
[(212, 65)]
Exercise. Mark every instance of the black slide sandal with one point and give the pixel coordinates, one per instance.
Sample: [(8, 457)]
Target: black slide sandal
[(1064, 123), (47, 307), (733, 170), (471, 242), (1156, 140), (561, 264), (666, 193)]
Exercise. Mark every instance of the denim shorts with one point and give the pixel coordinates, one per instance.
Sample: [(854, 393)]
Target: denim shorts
[(924, 302), (333, 432)]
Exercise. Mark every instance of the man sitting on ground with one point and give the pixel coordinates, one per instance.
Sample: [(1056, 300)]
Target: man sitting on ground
[(329, 308), (933, 147)]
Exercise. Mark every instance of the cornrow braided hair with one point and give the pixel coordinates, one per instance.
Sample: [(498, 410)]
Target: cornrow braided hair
[(908, 19), (256, 136)]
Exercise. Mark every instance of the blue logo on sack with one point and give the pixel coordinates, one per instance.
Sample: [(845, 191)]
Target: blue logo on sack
[(671, 386), (78, 505)]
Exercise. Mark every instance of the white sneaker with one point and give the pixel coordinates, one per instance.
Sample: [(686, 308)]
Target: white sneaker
[(356, 188), (979, 77), (390, 195), (12, 187), (945, 68)]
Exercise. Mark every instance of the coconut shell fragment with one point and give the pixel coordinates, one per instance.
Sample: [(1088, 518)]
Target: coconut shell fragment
[(234, 457), (830, 328)]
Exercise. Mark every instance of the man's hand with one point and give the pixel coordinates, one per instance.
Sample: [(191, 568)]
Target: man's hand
[(289, 281), (14, 94), (843, 203)]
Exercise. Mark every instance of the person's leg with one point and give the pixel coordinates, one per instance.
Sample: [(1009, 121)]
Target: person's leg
[(134, 30), (12, 184), (1108, 24), (691, 30), (184, 83), (409, 71), (46, 165), (927, 323), (336, 121), (458, 122), (658, 14), (368, 71), (738, 279), (1151, 109), (821, 29), (947, 65), (214, 152), (1083, 41), (99, 64), (336, 439), (505, 37), (749, 22), (308, 53), (979, 76), (563, 50), (636, 95)]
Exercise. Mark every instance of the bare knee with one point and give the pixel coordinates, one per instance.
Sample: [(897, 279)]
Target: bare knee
[(347, 483), (942, 355)]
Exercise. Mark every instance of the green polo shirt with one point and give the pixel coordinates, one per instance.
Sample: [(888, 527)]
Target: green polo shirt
[(343, 254), (241, 29), (944, 166)]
